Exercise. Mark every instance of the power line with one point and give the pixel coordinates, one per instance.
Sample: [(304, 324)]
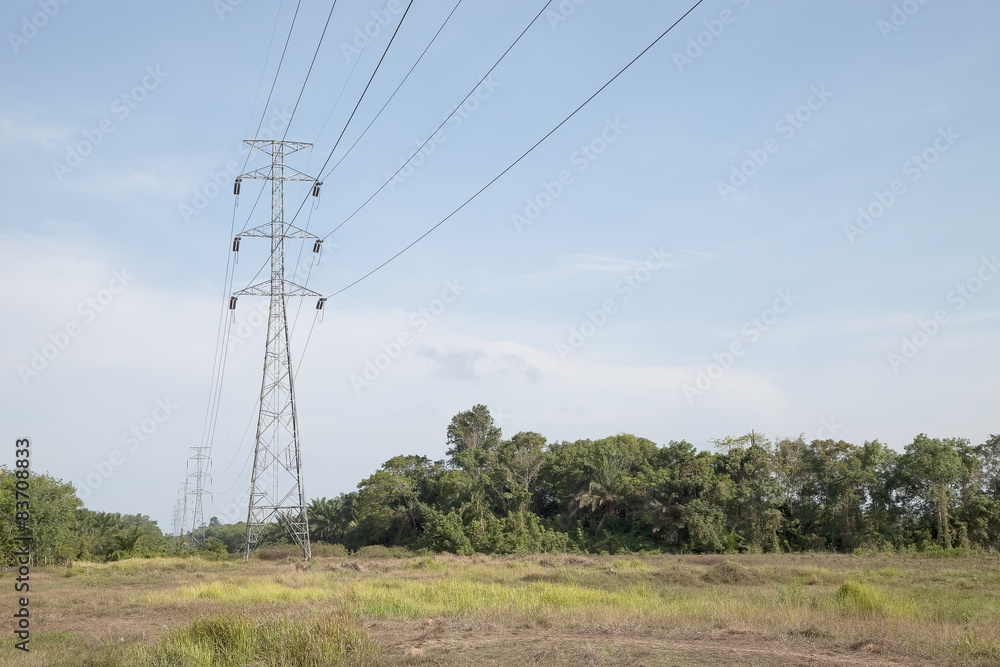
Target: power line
[(433, 39), (525, 154), (356, 106), (351, 117), (365, 131), (363, 93), (271, 92), (350, 76), (438, 128), (254, 207), (263, 69), (218, 379), (309, 72)]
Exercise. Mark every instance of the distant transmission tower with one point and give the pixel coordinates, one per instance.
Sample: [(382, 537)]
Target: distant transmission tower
[(184, 507), (276, 490), (178, 519), (200, 477)]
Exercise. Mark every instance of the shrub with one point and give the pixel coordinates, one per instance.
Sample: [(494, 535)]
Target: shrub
[(277, 552), (731, 574)]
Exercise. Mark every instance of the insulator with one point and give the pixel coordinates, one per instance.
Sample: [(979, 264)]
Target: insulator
[(319, 304), (236, 244), (316, 187), (317, 245), (236, 186), (232, 303)]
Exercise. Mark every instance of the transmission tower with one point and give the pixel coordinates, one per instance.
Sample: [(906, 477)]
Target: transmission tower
[(184, 507), (200, 477), (178, 519), (276, 490)]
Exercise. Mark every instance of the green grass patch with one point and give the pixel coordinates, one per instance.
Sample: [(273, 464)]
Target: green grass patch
[(238, 641), (388, 598), (634, 565), (864, 600), (244, 593)]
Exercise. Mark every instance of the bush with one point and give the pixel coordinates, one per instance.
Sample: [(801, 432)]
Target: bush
[(324, 550), (379, 551), (212, 549), (277, 552), (445, 532), (730, 574)]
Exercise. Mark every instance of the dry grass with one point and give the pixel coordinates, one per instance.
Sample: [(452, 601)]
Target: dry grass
[(549, 609)]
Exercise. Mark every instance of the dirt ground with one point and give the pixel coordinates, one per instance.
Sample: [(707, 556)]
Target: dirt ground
[(540, 610), (445, 643)]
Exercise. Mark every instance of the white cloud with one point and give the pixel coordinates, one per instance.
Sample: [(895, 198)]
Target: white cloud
[(46, 135)]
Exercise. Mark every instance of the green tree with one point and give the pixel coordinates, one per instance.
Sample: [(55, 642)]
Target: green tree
[(387, 507), (515, 476), (473, 440), (332, 520), (686, 501), (51, 521), (930, 468), (753, 508)]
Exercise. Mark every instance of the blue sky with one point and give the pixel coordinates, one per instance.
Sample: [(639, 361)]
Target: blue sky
[(887, 327)]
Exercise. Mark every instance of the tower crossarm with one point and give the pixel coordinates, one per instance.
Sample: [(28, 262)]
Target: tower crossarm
[(264, 289), (290, 232), (268, 146), (267, 174)]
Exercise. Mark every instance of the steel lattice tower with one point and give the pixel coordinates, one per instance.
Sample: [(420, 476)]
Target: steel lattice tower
[(200, 476), (184, 506), (178, 519), (276, 489)]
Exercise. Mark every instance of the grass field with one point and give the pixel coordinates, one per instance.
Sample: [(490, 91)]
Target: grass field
[(810, 609)]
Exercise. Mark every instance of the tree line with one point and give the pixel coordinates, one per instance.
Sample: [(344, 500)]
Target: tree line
[(62, 530), (625, 493), (618, 494)]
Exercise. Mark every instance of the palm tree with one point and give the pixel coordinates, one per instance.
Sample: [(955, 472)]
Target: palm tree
[(604, 496), (331, 519)]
